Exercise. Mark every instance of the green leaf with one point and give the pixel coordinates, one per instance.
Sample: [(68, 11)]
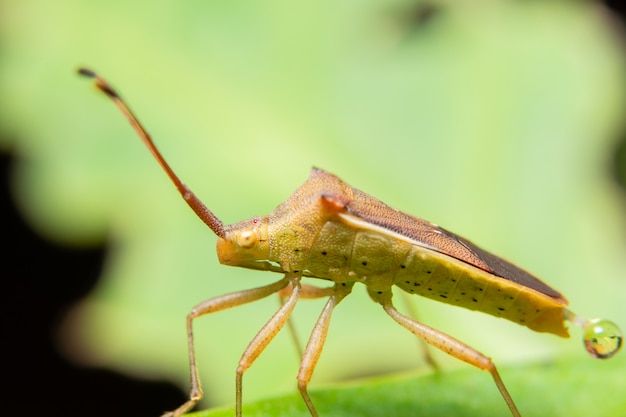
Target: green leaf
[(568, 386)]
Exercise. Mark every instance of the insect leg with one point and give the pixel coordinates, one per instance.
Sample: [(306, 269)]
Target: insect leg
[(428, 357), (452, 347), (210, 306), (308, 291), (264, 337), (316, 341)]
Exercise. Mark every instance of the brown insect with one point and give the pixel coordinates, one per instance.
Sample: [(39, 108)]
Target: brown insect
[(328, 230)]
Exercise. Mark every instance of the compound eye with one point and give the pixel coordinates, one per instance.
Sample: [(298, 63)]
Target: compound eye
[(247, 239)]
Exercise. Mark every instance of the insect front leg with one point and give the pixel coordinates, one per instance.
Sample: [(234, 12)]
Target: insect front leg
[(264, 337), (210, 306), (452, 347), (309, 292), (316, 341)]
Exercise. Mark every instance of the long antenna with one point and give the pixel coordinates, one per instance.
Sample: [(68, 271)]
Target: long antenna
[(194, 202)]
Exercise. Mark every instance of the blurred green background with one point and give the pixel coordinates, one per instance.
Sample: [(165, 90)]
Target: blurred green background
[(498, 120)]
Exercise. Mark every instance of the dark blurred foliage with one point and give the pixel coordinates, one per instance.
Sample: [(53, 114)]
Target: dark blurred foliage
[(619, 157), (40, 282)]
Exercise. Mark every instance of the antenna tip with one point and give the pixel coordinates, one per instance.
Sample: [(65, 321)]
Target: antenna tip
[(100, 83), (87, 72)]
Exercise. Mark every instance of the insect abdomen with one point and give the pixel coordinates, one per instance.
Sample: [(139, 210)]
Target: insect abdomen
[(343, 253), (446, 279)]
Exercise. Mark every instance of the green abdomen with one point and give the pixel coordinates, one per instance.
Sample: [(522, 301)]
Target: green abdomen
[(380, 259)]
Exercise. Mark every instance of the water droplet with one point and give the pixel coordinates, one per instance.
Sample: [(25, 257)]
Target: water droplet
[(602, 338)]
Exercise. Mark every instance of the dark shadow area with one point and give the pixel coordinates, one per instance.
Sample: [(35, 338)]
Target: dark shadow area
[(39, 283), (618, 168), (619, 163)]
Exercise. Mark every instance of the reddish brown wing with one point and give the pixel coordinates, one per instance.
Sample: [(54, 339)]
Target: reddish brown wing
[(322, 184), (436, 238)]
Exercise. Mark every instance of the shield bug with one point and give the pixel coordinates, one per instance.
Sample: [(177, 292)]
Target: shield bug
[(333, 232)]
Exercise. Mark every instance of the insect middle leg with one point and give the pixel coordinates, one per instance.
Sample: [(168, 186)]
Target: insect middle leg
[(451, 346), (210, 306), (309, 292), (316, 341)]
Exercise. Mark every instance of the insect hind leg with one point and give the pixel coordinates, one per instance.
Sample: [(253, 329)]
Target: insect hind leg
[(425, 348), (453, 347)]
